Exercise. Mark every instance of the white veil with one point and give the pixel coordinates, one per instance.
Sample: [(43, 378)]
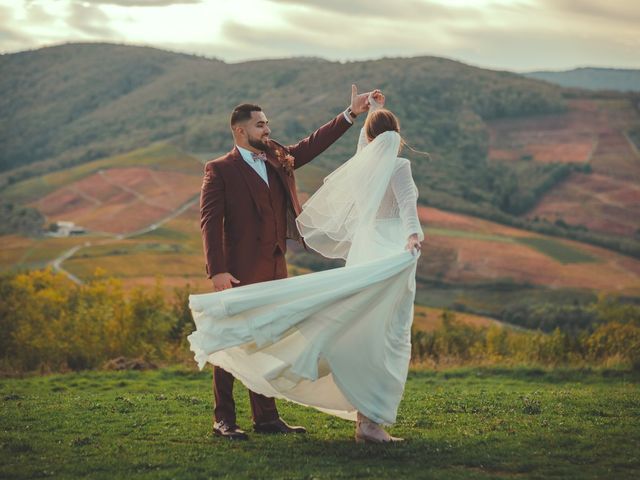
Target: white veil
[(350, 197)]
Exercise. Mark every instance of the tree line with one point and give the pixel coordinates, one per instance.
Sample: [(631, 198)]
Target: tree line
[(49, 323), (607, 334)]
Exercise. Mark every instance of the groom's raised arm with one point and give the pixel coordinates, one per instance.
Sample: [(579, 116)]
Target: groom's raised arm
[(316, 143), (306, 150)]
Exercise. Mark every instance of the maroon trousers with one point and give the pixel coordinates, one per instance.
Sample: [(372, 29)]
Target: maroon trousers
[(263, 408)]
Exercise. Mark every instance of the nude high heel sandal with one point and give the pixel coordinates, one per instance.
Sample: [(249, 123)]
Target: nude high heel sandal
[(370, 432)]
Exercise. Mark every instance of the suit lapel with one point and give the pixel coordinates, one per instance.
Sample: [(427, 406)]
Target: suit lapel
[(250, 177), (254, 182), (281, 175)]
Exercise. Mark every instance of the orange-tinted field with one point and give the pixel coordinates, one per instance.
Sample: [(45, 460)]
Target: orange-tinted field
[(565, 137), (591, 131), (462, 249), (120, 200), (479, 260), (599, 202)]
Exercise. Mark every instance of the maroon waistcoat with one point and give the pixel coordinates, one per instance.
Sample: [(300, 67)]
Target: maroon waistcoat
[(273, 204)]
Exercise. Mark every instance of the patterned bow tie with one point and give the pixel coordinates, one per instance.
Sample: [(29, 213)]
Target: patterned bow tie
[(259, 156)]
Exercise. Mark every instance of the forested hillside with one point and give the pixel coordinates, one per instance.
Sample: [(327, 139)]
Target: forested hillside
[(75, 103), (78, 102)]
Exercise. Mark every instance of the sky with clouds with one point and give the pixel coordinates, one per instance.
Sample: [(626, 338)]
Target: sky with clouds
[(515, 35)]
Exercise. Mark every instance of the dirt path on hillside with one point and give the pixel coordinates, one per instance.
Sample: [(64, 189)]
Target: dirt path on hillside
[(131, 191), (57, 262)]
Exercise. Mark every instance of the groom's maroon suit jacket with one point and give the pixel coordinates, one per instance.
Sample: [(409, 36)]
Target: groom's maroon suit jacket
[(244, 222)]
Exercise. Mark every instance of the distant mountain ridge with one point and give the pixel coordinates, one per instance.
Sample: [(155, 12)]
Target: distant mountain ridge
[(593, 78)]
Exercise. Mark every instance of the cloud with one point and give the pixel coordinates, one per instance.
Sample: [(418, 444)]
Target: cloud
[(259, 41), (12, 41), (524, 36), (533, 48), (315, 35), (142, 3), (8, 36), (408, 10), (509, 34), (37, 15), (90, 20), (620, 11), (337, 29)]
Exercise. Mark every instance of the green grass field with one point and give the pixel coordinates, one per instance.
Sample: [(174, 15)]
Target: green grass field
[(557, 250), (449, 232), (491, 298), (474, 423)]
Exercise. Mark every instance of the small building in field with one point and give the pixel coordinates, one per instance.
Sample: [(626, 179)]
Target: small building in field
[(65, 229)]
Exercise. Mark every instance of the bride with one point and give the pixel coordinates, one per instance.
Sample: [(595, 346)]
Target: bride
[(337, 340)]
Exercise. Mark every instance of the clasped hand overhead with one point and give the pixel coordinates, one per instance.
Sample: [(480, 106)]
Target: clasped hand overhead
[(362, 102)]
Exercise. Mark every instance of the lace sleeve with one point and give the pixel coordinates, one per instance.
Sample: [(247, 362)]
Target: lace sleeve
[(362, 140), (406, 195)]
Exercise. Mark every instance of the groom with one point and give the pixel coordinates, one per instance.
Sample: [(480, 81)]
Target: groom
[(248, 206)]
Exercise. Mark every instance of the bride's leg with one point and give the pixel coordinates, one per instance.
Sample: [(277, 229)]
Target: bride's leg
[(369, 431)]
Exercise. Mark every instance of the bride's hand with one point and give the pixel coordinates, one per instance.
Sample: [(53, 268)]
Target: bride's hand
[(413, 244), (376, 100)]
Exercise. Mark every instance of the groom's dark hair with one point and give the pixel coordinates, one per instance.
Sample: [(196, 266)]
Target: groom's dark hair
[(243, 111)]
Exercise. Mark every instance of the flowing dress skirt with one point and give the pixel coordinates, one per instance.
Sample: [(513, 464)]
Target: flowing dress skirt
[(337, 340)]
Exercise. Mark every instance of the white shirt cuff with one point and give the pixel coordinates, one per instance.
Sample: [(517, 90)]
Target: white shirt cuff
[(347, 117)]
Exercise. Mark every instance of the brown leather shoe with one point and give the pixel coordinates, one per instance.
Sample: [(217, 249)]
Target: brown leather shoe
[(226, 430), (277, 426)]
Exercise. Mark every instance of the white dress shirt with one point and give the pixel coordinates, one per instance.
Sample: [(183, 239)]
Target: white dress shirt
[(347, 117), (258, 165)]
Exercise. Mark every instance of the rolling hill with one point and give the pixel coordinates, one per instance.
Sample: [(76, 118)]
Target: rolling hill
[(469, 264), (76, 102), (68, 105), (593, 133), (624, 80), (516, 165), (150, 95)]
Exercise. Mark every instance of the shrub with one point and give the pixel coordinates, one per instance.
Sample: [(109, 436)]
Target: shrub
[(49, 322)]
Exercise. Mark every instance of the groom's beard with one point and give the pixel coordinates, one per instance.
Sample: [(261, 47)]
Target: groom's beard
[(257, 143)]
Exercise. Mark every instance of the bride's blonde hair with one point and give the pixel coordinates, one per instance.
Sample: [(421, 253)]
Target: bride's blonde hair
[(383, 120)]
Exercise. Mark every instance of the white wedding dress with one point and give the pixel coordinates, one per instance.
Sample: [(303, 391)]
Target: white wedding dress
[(337, 340)]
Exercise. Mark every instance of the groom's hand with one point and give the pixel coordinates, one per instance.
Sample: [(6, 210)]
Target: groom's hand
[(359, 102), (222, 281)]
